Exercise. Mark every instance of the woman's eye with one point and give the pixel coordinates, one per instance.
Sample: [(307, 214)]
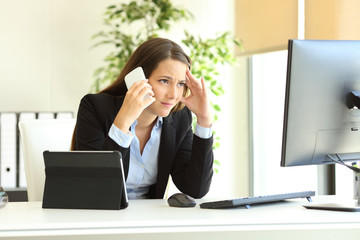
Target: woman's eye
[(181, 84), (163, 80)]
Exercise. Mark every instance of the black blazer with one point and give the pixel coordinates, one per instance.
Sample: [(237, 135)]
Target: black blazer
[(182, 154)]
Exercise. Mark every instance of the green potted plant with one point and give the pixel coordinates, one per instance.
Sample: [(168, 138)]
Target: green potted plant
[(152, 18)]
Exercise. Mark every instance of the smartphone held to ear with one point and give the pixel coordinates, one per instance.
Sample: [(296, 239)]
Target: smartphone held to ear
[(135, 75)]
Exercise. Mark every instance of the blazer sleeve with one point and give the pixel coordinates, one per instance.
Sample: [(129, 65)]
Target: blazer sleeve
[(192, 168), (95, 116)]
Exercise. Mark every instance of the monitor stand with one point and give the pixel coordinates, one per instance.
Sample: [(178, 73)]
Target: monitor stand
[(346, 205)]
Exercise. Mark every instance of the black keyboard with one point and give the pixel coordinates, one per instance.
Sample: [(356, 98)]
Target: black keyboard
[(247, 201)]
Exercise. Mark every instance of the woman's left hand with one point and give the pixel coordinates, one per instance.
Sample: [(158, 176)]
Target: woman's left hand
[(198, 101)]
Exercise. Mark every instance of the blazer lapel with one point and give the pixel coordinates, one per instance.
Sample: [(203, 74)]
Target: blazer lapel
[(166, 155)]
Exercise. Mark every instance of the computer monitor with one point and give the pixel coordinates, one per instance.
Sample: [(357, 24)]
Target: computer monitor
[(322, 115)]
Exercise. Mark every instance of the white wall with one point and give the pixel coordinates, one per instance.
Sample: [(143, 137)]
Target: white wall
[(46, 64), (46, 61)]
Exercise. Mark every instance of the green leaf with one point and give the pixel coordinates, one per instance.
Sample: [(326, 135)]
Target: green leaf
[(217, 108)]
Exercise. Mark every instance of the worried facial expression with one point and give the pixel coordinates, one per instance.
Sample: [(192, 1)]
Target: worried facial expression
[(168, 84)]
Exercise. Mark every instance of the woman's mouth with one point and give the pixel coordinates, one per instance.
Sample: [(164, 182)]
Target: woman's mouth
[(167, 105)]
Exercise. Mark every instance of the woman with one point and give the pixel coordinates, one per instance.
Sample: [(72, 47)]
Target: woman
[(153, 134)]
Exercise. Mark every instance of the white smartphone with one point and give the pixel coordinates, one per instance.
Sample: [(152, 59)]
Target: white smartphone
[(135, 75)]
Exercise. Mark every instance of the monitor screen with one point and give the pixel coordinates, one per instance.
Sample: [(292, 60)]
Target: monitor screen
[(319, 124)]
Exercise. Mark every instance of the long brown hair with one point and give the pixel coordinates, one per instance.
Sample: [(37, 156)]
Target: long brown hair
[(147, 55)]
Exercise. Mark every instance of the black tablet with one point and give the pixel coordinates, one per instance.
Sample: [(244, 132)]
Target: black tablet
[(84, 180)]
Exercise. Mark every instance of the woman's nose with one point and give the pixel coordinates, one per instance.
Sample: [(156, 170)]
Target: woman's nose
[(172, 93)]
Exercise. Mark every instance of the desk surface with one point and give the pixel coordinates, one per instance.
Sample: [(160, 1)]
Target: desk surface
[(154, 219)]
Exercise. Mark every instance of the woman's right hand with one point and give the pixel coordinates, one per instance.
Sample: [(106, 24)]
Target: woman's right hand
[(134, 104)]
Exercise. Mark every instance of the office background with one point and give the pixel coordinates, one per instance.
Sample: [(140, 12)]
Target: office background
[(46, 64)]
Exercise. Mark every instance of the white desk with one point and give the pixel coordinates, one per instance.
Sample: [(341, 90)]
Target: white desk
[(153, 219)]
